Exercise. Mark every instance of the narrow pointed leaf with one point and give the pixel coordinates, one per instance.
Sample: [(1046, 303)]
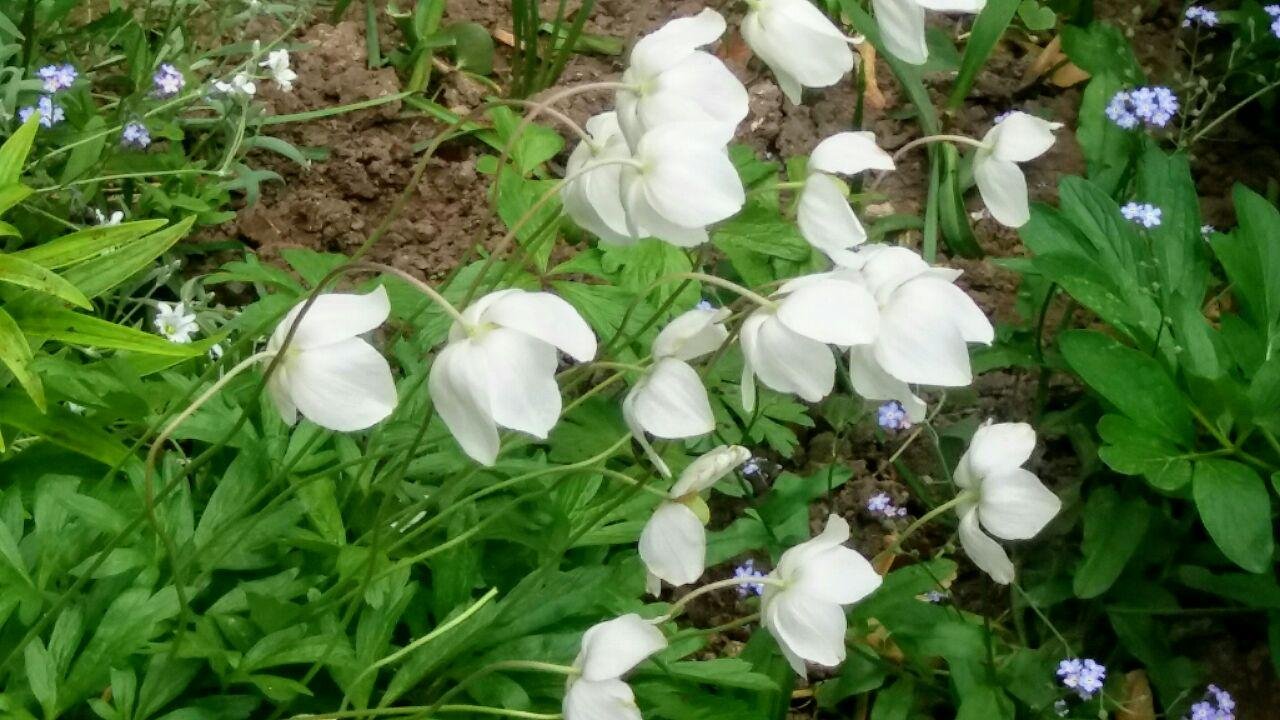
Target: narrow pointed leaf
[(24, 273)]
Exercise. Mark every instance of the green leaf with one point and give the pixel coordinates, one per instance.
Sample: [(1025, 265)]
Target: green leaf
[(1133, 450), (42, 676), (87, 243), (536, 144), (1260, 228), (11, 195), (1131, 381), (1236, 510), (103, 273), (858, 674), (473, 47), (78, 329), (13, 154), (279, 147), (1035, 16), (24, 273), (985, 702), (720, 672), (952, 217), (895, 702), (986, 32), (1113, 528), (16, 355), (62, 428)]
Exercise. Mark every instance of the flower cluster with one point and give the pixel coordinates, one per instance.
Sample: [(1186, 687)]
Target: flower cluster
[(239, 86), (57, 77), (747, 571), (882, 504), (1084, 677), (135, 135), (167, 81), (175, 322), (1217, 704), (1197, 14), (892, 416), (1274, 12), (54, 79), (50, 112), (277, 65), (1144, 214), (1154, 106)]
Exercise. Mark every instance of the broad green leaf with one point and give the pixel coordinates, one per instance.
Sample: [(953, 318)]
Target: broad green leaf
[(858, 674), (986, 32), (719, 672), (1260, 227), (1131, 381), (11, 195), (13, 154), (985, 702), (1256, 591), (1134, 450), (62, 428), (1235, 508), (16, 355), (1177, 243), (1113, 528), (1108, 148), (100, 274), (1102, 48), (761, 230), (896, 701), (78, 329), (87, 243), (16, 271), (473, 47)]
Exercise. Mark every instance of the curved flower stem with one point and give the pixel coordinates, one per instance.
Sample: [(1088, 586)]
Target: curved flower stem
[(963, 497), (561, 117), (729, 285), (526, 665), (679, 605), (632, 481), (148, 473), (421, 710), (927, 139), (422, 287), (776, 187), (610, 365), (407, 649)]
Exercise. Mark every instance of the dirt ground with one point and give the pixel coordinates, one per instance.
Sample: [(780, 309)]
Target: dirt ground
[(333, 205)]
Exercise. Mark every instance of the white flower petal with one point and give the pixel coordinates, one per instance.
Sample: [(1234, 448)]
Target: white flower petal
[(670, 401), (692, 334), (612, 648), (983, 551), (849, 153), (998, 447), (920, 341), (824, 215), (951, 6), (332, 318), (675, 41), (1015, 505), (902, 29), (871, 382), (834, 533), (1020, 137), (278, 389), (837, 575), (832, 311), (886, 267), (600, 700), (547, 318), (521, 372), (1003, 188), (688, 178), (707, 470), (787, 361), (347, 386), (811, 629), (796, 39), (673, 544), (703, 80), (461, 397)]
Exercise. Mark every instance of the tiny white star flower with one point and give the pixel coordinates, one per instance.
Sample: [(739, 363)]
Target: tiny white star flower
[(174, 322), (277, 63)]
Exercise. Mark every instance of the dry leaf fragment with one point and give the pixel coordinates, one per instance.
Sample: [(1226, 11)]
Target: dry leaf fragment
[(1138, 704)]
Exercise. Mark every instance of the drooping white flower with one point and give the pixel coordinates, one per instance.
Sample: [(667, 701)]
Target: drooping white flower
[(902, 24), (499, 368), (1000, 496), (798, 42), (609, 650), (174, 322), (277, 64), (673, 544), (804, 595), (240, 86), (823, 211), (1021, 137), (669, 400), (681, 181), (330, 374), (673, 81), (592, 197), (785, 344), (925, 323)]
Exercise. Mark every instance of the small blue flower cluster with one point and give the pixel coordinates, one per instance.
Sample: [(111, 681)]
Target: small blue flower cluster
[(882, 504), (1154, 106), (748, 570), (1144, 214), (135, 135), (750, 467), (1085, 677), (1216, 705), (1200, 15), (1274, 12), (167, 81), (54, 78), (892, 416)]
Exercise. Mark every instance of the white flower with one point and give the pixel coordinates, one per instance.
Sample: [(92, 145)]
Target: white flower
[(1021, 137), (609, 650), (331, 375), (75, 408), (216, 351), (103, 220), (669, 400), (594, 198), (672, 81), (785, 344), (823, 212), (798, 42), (673, 544), (241, 85), (277, 64), (681, 181), (902, 24), (925, 323), (174, 322), (1009, 502), (804, 594), (499, 368)]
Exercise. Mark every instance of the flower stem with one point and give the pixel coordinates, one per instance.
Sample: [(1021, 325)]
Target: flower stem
[(679, 605), (422, 287), (958, 139), (527, 665), (963, 497), (422, 710), (729, 285), (632, 481)]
